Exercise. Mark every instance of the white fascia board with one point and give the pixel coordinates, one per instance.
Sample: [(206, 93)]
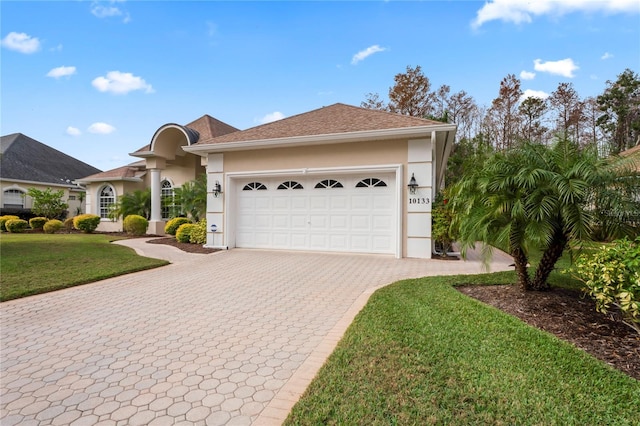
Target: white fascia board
[(404, 132), (115, 179), (33, 182), (142, 154)]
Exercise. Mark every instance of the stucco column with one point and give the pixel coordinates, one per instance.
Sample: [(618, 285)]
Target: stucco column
[(156, 207)]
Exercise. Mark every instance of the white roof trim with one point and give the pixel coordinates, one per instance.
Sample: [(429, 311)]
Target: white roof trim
[(403, 132), (112, 179)]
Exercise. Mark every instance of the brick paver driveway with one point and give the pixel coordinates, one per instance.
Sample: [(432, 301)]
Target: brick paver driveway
[(227, 338)]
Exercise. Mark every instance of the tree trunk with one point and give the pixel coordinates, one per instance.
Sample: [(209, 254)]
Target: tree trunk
[(520, 260), (548, 261)]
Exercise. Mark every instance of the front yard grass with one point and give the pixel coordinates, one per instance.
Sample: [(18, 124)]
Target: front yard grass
[(420, 352), (38, 263)]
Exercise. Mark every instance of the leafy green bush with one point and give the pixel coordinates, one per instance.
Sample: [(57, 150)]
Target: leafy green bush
[(68, 224), (441, 231), (37, 222), (172, 226), (611, 276), (5, 219), (199, 233), (52, 226), (16, 225), (135, 224), (183, 234), (86, 222)]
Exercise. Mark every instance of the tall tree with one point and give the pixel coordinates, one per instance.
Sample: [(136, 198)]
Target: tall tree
[(373, 101), (533, 109), (503, 117), (545, 197), (411, 95), (592, 133), (620, 104), (565, 101)]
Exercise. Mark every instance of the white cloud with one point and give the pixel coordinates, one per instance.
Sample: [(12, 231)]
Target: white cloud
[(523, 11), (563, 67), (61, 72), (21, 42), (101, 128), (271, 117), (109, 11), (73, 131), (606, 55), (361, 55), (121, 83), (527, 75), (529, 93)]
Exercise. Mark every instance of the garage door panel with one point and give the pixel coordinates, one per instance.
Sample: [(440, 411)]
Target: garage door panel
[(327, 218)]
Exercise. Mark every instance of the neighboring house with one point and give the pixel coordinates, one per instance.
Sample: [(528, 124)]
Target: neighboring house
[(26, 163), (332, 179)]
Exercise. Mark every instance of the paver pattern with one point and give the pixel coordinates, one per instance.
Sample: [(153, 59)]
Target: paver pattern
[(227, 338)]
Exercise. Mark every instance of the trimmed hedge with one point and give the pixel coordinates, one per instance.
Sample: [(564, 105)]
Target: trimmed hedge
[(4, 219), (52, 226), (199, 233), (135, 224), (172, 226), (86, 223), (183, 234), (37, 222), (16, 225)]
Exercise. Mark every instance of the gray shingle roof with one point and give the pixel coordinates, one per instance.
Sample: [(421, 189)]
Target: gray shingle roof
[(24, 158)]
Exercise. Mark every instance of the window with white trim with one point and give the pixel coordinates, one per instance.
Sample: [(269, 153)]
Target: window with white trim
[(370, 182), (290, 184), (254, 186), (328, 183), (106, 198), (167, 197), (13, 198)]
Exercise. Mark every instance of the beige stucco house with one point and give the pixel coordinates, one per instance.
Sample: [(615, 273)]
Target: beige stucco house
[(339, 178), (27, 163)]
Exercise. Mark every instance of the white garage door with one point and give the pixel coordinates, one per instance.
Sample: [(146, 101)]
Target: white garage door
[(347, 213)]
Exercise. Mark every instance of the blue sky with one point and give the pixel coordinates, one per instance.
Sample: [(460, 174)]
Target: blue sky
[(96, 79)]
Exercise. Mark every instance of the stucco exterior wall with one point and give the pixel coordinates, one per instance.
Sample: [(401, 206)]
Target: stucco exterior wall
[(71, 196)]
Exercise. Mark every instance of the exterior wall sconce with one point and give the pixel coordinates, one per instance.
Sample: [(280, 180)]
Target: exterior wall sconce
[(413, 185), (217, 189)]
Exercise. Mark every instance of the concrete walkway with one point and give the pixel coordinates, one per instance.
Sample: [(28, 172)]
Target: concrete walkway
[(232, 337)]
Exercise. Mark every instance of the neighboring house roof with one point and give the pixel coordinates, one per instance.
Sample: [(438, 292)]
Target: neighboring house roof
[(334, 119), (204, 128), (130, 172), (631, 151), (26, 159)]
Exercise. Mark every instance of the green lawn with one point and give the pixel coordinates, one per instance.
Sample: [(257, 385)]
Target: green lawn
[(38, 263), (422, 353)]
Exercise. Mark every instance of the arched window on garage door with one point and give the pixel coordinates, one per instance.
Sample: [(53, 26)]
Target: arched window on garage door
[(254, 186), (370, 182), (328, 183), (290, 184)]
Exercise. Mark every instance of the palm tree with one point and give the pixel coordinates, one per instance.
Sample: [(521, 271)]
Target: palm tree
[(550, 198), (137, 202), (191, 197)]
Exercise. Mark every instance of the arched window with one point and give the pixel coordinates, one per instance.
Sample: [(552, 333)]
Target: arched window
[(106, 198), (254, 186), (329, 183), (13, 198), (290, 185), (167, 197), (370, 182)]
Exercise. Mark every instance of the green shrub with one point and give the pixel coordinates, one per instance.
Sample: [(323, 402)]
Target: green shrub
[(199, 233), (4, 219), (68, 224), (37, 222), (172, 226), (135, 224), (183, 234), (16, 225), (52, 226), (86, 222), (441, 231), (611, 276)]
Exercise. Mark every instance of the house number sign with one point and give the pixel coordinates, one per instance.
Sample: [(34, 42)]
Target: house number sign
[(419, 200)]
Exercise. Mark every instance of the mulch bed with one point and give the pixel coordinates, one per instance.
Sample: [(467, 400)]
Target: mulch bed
[(570, 316), (189, 248)]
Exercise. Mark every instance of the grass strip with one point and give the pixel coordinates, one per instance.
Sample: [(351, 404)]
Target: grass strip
[(422, 353), (37, 263)]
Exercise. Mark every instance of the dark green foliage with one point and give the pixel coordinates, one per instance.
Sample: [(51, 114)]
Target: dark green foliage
[(5, 219), (37, 222), (191, 198), (48, 203), (133, 203), (135, 224), (16, 225), (620, 104)]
